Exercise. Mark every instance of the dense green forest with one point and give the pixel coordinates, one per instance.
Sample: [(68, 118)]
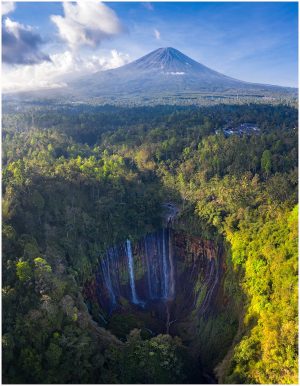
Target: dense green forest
[(78, 179)]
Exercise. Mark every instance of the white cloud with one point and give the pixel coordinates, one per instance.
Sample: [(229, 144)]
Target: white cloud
[(156, 34), (7, 7), (62, 68), (86, 23), (21, 43)]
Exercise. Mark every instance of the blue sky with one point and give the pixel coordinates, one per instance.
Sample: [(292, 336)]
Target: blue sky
[(253, 41)]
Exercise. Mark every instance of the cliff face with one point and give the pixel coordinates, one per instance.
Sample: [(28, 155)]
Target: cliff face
[(202, 314), (139, 273), (167, 282), (200, 269), (163, 267)]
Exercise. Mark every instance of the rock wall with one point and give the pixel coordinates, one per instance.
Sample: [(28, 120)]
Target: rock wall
[(166, 267)]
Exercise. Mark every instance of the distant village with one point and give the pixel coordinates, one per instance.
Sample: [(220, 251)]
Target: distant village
[(242, 129)]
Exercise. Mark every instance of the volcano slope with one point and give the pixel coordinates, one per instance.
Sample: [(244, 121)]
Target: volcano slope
[(166, 71)]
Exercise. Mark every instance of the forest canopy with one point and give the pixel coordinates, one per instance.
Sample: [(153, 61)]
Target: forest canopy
[(78, 180)]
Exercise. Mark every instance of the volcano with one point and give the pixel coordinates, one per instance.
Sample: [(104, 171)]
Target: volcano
[(163, 71)]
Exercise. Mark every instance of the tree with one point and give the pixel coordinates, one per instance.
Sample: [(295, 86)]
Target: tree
[(41, 266), (266, 162), (158, 360), (23, 270)]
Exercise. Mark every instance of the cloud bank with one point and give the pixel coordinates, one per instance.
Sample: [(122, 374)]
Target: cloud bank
[(86, 23), (56, 73), (21, 44)]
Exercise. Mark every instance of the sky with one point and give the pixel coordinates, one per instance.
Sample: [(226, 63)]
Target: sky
[(45, 44)]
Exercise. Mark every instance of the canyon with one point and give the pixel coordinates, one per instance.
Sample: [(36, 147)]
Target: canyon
[(168, 282)]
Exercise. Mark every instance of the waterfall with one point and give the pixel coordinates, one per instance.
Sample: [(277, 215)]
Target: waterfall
[(148, 269), (165, 283), (171, 286), (113, 256), (159, 275), (155, 266), (154, 253), (131, 272), (210, 283), (107, 278)]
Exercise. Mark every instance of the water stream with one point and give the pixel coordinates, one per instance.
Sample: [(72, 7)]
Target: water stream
[(131, 272)]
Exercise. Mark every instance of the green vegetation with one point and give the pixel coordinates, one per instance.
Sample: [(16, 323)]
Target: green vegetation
[(159, 360), (270, 281), (79, 179)]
